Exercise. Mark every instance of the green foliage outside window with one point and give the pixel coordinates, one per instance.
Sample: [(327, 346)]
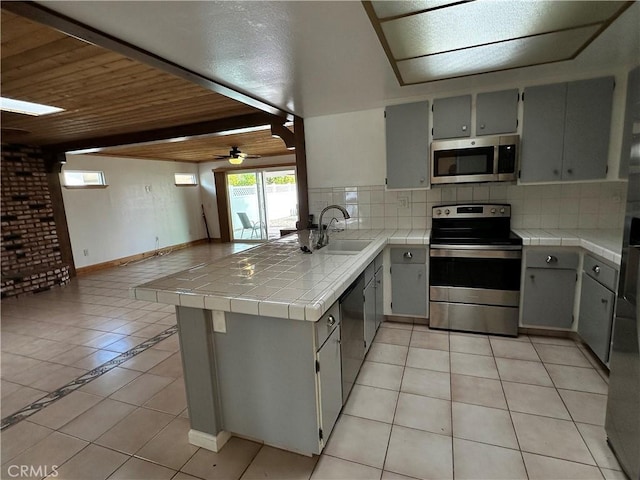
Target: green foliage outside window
[(249, 180)]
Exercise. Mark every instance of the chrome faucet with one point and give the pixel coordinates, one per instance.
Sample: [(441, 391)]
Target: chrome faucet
[(323, 237)]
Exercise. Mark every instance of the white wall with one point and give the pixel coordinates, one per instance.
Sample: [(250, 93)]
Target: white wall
[(124, 219), (347, 149)]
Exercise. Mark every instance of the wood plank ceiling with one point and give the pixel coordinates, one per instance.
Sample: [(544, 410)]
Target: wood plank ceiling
[(104, 93)]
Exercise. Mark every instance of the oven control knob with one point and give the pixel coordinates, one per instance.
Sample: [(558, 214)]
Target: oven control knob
[(493, 210), (502, 210), (447, 212), (438, 212)]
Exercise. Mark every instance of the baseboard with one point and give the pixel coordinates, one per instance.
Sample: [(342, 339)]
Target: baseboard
[(406, 319), (141, 256), (209, 441)]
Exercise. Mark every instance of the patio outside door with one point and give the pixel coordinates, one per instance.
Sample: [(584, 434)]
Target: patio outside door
[(262, 203)]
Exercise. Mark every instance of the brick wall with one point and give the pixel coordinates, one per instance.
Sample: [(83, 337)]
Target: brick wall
[(31, 258)]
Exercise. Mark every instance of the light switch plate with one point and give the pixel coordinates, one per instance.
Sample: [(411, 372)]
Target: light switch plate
[(219, 322)]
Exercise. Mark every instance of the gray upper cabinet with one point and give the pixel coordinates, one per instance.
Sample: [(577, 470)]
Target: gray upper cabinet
[(497, 112), (407, 129), (542, 140), (565, 132), (452, 117), (587, 125)]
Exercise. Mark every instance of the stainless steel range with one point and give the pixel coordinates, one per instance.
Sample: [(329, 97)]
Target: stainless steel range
[(474, 269)]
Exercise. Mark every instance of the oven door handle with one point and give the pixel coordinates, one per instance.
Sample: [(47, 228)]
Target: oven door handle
[(447, 251)]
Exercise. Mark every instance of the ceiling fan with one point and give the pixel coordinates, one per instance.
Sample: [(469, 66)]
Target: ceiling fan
[(235, 157)]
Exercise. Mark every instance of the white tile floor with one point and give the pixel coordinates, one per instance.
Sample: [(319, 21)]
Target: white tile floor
[(426, 404)]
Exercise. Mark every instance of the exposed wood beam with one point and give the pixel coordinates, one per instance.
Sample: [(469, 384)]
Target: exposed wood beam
[(190, 130), (279, 130), (53, 163), (301, 174), (69, 26), (220, 181)]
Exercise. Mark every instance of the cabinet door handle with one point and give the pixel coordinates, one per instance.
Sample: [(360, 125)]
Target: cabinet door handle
[(570, 171), (482, 126), (331, 320), (556, 172), (604, 300), (551, 259), (596, 269), (464, 128), (408, 255)]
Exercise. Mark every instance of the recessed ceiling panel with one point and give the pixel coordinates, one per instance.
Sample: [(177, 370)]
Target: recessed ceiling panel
[(478, 23), (499, 56), (473, 37), (386, 9)]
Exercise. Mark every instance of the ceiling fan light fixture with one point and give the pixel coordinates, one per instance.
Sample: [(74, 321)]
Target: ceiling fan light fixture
[(236, 160)]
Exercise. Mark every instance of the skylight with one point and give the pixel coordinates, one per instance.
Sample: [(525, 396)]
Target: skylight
[(27, 108)]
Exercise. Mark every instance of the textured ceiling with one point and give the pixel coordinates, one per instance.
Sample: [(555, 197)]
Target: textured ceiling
[(314, 58)]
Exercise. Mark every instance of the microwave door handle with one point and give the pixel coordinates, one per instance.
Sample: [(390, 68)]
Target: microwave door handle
[(496, 160)]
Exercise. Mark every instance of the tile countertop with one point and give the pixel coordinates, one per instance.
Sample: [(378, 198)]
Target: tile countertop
[(604, 243), (276, 279)]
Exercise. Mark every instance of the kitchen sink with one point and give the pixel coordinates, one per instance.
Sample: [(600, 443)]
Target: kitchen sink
[(344, 247)]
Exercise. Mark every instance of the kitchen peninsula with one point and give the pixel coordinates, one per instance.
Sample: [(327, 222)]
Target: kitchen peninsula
[(251, 329), (261, 355)]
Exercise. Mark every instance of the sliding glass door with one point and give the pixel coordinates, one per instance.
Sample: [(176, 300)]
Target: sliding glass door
[(263, 203)]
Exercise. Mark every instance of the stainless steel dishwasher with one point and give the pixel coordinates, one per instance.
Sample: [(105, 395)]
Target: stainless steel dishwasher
[(352, 334)]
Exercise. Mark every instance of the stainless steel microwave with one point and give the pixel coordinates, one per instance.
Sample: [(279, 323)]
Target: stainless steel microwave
[(483, 159)]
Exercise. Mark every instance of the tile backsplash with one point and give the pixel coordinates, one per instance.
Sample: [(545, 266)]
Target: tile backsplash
[(570, 205)]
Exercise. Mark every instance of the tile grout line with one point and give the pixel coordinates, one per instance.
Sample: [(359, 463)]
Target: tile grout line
[(395, 410), (506, 401), (74, 385)]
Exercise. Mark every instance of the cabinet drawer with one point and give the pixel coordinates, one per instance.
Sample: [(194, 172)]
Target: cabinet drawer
[(597, 270), (552, 259), (409, 255), (327, 324)]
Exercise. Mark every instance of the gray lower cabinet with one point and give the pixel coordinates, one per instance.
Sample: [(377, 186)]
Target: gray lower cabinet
[(409, 281), (597, 299), (549, 288), (565, 131), (369, 313), (407, 138), (379, 297), (497, 112), (330, 382), (273, 379), (452, 117), (373, 300)]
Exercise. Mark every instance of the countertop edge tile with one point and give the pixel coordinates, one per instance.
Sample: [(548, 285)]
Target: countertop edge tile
[(334, 271)]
